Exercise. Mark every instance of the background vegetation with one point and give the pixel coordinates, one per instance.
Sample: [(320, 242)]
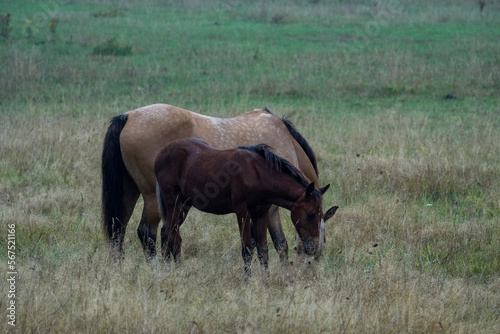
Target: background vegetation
[(399, 99)]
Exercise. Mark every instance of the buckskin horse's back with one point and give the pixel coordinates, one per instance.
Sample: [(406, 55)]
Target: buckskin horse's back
[(147, 131), (151, 128)]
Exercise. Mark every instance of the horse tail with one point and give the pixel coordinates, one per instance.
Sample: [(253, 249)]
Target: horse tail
[(302, 142), (113, 172), (161, 203)]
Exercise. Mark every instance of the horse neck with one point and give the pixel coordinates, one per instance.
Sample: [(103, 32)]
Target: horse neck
[(283, 189)]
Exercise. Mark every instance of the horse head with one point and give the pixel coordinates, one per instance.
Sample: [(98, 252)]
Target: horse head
[(309, 220)]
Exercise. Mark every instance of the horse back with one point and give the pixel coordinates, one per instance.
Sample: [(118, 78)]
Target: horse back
[(148, 130)]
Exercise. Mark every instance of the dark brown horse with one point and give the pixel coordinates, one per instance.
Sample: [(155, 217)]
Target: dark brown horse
[(134, 139), (247, 181)]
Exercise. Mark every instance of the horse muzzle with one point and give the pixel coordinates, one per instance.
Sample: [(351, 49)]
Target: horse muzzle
[(313, 247)]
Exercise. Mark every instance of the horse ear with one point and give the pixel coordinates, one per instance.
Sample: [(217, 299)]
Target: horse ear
[(325, 188), (329, 214), (310, 188)]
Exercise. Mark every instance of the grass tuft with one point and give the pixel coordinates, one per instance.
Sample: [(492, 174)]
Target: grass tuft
[(112, 48)]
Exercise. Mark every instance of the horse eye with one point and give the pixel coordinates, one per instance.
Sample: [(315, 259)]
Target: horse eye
[(310, 216)]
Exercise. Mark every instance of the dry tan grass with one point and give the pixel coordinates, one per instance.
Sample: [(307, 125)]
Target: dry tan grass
[(209, 295), (379, 272)]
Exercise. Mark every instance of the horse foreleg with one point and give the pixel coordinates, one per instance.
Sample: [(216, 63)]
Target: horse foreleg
[(246, 240), (260, 230), (277, 234), (148, 226)]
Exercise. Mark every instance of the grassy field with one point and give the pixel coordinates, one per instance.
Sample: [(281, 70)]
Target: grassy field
[(399, 100)]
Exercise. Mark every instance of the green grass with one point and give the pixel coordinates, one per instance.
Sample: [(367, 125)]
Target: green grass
[(179, 48), (414, 173)]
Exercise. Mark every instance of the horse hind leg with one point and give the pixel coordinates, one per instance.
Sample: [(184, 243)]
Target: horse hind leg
[(173, 213), (171, 241), (148, 226)]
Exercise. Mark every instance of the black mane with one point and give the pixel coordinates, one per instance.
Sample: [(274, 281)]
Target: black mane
[(276, 162), (301, 140)]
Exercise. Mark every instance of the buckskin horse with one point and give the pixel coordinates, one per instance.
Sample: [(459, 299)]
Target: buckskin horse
[(134, 139), (245, 181)]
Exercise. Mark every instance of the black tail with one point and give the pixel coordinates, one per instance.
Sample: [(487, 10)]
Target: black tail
[(113, 173)]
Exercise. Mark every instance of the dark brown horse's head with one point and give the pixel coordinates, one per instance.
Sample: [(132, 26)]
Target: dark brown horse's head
[(307, 216)]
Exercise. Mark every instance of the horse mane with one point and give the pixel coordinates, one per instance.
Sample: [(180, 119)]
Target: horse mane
[(300, 139), (276, 162)]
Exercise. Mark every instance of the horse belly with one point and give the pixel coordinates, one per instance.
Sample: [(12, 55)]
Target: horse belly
[(211, 199), (207, 195), (218, 209)]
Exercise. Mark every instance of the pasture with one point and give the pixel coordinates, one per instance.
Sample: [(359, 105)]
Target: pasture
[(398, 99)]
